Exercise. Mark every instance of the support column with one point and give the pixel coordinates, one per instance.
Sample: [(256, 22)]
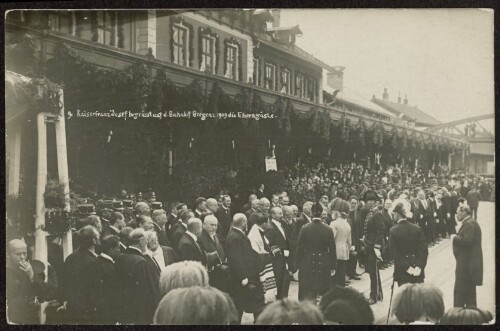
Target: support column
[(146, 32), (41, 180), (62, 169), (14, 161)]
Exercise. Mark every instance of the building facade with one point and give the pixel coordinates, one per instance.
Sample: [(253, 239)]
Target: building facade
[(240, 51)]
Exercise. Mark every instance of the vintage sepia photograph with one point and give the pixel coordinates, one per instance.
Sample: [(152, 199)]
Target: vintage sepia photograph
[(262, 166)]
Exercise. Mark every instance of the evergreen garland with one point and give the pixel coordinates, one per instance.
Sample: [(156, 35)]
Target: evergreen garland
[(361, 128), (404, 140), (345, 128), (394, 138)]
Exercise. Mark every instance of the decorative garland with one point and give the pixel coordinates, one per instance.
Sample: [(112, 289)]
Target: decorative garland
[(51, 97), (404, 139), (179, 20), (394, 138), (345, 128), (208, 32), (236, 43), (361, 132)]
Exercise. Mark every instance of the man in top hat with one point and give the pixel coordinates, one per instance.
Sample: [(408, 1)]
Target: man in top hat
[(408, 246), (473, 198), (128, 211), (373, 242), (316, 257), (156, 205)]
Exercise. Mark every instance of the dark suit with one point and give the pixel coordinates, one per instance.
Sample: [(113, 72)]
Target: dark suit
[(248, 214), (374, 239), (190, 250), (316, 258), (424, 217), (291, 229), (162, 236), (277, 240), (409, 248), (453, 205), (244, 263), (20, 293), (103, 291), (301, 221), (469, 270), (176, 233), (171, 220), (76, 284), (109, 231), (473, 198), (356, 234), (137, 288), (217, 274), (225, 219), (169, 255), (446, 226), (388, 223), (260, 194)]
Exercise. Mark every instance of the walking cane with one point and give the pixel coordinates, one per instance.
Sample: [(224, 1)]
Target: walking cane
[(390, 303)]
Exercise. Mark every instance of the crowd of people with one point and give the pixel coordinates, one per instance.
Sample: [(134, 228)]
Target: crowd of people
[(209, 262)]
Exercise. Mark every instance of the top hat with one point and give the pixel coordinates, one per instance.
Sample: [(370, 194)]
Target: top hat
[(118, 206), (371, 195), (86, 209), (128, 204), (156, 205)]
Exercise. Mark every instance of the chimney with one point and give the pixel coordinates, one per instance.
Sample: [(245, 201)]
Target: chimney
[(335, 79), (406, 100), (276, 13), (399, 98), (385, 96)]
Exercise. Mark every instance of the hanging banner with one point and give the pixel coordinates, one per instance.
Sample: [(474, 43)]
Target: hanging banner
[(271, 164)]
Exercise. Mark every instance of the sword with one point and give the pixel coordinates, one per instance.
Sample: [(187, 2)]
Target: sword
[(390, 303)]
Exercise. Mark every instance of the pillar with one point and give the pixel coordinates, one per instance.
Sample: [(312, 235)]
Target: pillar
[(14, 161), (41, 180), (146, 32), (62, 169)]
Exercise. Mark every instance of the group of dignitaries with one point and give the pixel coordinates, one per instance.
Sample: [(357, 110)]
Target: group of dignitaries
[(253, 255)]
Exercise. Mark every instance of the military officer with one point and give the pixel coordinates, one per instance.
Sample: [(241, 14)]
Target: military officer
[(373, 241)]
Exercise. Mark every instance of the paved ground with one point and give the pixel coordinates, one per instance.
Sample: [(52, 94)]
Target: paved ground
[(440, 271)]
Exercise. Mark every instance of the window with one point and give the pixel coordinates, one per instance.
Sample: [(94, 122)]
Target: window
[(208, 54), (269, 82), (285, 81), (256, 72), (180, 44), (232, 62), (299, 80), (309, 89), (62, 21), (106, 27)]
